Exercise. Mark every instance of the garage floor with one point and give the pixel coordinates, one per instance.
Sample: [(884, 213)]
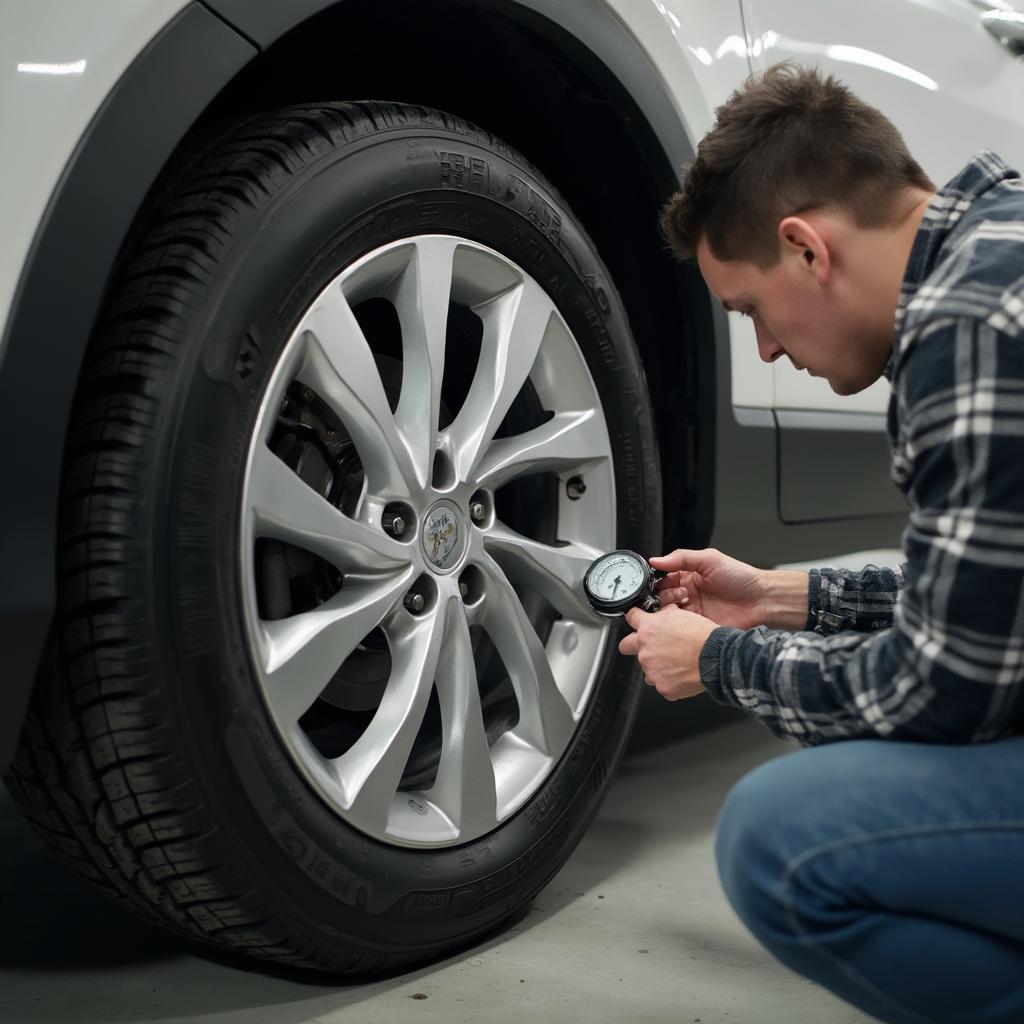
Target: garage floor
[(634, 928)]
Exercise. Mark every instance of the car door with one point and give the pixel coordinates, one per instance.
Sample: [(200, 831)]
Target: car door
[(952, 87)]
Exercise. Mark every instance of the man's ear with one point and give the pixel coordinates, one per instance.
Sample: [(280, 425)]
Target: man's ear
[(802, 245)]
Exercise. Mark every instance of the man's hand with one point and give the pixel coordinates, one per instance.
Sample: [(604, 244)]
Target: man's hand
[(723, 589), (667, 645)]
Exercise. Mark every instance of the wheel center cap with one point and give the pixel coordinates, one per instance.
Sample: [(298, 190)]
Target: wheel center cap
[(444, 535)]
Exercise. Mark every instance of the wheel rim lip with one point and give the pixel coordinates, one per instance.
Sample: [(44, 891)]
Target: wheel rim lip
[(358, 283)]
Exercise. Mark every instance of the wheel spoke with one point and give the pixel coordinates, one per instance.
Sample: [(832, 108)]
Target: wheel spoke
[(302, 653), (556, 573), (514, 328), (567, 441), (286, 508), (545, 719), (340, 367), (371, 770), (465, 785), (421, 298)]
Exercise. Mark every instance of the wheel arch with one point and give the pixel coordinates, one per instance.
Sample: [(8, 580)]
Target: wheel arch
[(593, 115), (591, 98)]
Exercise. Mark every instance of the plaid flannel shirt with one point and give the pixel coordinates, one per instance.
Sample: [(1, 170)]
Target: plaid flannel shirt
[(934, 650)]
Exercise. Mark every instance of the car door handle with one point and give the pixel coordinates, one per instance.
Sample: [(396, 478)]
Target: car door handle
[(1007, 27)]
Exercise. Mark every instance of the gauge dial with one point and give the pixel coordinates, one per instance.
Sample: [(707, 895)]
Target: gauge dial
[(620, 580), (617, 576)]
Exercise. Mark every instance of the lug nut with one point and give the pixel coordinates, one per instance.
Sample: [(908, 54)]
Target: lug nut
[(393, 523), (478, 512), (575, 488), (415, 602)]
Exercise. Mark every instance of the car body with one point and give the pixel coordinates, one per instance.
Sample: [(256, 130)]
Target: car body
[(98, 98)]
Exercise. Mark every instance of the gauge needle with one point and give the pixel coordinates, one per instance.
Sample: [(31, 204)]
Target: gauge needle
[(618, 580)]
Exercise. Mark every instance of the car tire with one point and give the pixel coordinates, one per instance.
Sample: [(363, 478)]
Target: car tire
[(175, 752)]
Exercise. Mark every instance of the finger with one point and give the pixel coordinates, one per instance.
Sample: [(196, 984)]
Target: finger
[(632, 617), (678, 595), (629, 645), (685, 559), (676, 581), (672, 579), (672, 562)]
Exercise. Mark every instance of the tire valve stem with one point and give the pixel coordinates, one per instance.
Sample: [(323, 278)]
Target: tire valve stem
[(575, 488), (415, 602)]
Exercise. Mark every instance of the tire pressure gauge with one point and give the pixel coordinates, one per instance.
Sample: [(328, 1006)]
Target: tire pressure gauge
[(621, 580)]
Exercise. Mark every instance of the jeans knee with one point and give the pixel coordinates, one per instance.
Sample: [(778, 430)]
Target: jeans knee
[(755, 843), (786, 807)]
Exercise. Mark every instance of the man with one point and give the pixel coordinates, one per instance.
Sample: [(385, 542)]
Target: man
[(889, 868)]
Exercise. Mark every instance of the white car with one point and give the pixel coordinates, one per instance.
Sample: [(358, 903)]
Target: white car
[(338, 340)]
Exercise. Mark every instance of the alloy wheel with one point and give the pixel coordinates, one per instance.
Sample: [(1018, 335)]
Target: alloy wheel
[(379, 575)]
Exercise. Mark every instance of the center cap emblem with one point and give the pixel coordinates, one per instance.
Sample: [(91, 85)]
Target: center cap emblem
[(441, 538)]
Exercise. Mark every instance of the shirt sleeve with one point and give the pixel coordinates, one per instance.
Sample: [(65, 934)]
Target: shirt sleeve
[(950, 667), (843, 599)]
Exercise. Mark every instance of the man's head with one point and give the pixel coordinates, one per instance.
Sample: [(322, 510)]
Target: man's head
[(800, 208)]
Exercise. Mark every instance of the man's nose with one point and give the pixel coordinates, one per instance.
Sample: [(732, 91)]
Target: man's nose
[(767, 347)]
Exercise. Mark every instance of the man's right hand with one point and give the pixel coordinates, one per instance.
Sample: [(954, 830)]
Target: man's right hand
[(714, 585)]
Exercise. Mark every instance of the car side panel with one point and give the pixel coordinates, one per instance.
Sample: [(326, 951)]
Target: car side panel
[(59, 60), (108, 173)]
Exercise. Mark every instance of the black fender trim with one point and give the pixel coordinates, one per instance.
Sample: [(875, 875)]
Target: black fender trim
[(589, 22), (129, 140)]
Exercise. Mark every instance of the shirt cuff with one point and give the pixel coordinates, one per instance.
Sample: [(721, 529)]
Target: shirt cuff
[(710, 663), (825, 614)]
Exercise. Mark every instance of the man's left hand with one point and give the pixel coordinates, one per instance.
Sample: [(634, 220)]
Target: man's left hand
[(667, 644)]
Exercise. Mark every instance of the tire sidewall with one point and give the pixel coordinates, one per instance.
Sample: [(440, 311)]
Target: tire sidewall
[(321, 218)]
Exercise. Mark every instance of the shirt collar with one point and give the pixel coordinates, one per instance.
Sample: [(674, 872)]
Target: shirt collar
[(943, 213)]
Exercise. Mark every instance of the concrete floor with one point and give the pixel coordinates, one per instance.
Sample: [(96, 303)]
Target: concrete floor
[(633, 929)]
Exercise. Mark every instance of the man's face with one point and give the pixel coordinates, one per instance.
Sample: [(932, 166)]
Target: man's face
[(800, 310)]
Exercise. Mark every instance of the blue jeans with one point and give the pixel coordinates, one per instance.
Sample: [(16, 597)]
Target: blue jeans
[(890, 873)]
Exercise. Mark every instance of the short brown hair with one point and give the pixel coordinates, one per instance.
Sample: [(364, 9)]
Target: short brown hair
[(785, 142)]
